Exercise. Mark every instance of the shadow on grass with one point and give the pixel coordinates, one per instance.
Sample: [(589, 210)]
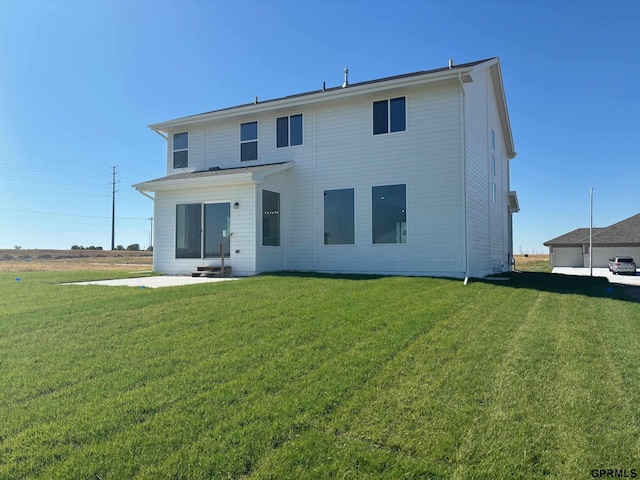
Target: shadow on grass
[(542, 281), (336, 276), (566, 284)]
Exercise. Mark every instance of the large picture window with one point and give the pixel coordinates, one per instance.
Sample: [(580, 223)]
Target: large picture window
[(339, 218), (289, 131), (270, 218), (249, 141), (389, 116), (180, 150), (389, 214), (195, 229)]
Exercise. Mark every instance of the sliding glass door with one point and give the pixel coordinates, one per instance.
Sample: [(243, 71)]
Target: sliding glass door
[(216, 227), (202, 225)]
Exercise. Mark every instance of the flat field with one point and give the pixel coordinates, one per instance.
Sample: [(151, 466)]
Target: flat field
[(315, 376), (61, 260)]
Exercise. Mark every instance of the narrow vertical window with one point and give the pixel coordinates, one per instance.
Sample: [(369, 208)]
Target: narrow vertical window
[(380, 117), (389, 214), (180, 150), (390, 115), (493, 165), (270, 218), (249, 141), (282, 132), (339, 218), (397, 115), (493, 140), (289, 131), (494, 192), (295, 129)]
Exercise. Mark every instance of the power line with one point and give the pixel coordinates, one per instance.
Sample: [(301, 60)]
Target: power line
[(52, 170), (71, 214)]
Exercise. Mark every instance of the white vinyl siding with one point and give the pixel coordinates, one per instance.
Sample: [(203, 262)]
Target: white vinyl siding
[(242, 220), (488, 221), (339, 151)]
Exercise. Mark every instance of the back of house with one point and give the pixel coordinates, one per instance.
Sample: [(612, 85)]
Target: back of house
[(406, 175)]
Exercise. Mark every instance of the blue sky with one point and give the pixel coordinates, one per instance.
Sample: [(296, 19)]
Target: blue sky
[(81, 80)]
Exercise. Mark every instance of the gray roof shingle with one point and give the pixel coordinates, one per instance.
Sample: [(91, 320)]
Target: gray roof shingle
[(623, 232)]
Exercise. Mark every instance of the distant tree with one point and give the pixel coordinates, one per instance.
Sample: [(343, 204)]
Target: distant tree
[(120, 247), (98, 248), (150, 248), (18, 247), (77, 247), (135, 247)]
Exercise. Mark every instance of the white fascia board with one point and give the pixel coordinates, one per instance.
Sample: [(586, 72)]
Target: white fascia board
[(503, 112), (189, 183), (312, 98)]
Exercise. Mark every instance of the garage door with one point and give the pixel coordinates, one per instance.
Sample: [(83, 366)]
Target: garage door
[(601, 255), (567, 257)]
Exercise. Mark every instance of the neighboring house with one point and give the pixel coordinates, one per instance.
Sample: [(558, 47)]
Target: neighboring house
[(572, 249), (405, 175)]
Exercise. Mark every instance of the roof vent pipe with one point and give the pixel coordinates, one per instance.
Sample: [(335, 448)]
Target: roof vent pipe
[(346, 78), (324, 86), (451, 63), (255, 100)]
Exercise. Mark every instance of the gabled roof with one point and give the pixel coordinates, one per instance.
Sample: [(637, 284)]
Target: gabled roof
[(461, 71), (624, 232)]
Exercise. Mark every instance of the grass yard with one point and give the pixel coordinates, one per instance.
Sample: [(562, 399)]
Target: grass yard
[(285, 376), (533, 263)]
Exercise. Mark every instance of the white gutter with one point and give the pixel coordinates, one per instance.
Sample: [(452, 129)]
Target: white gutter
[(153, 199), (166, 137)]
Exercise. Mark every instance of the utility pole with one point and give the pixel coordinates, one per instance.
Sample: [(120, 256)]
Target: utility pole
[(591, 234), (113, 207), (151, 233)]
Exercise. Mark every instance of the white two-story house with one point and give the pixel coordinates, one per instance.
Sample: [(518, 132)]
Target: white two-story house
[(406, 175)]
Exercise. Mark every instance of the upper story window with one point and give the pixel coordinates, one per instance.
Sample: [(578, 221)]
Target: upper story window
[(289, 131), (493, 140), (249, 141), (180, 150), (390, 115)]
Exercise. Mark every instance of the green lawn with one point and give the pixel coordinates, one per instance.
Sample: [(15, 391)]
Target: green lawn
[(287, 376)]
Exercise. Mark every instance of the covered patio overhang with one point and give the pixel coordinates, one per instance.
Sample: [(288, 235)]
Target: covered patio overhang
[(211, 178)]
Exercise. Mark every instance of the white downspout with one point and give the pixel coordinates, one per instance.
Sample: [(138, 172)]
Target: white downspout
[(463, 162)]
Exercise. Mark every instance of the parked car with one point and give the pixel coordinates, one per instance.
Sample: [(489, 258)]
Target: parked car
[(622, 265)]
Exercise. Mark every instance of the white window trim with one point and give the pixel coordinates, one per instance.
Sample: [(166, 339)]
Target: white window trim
[(406, 116), (249, 141), (288, 117), (174, 150), (355, 219), (406, 192)]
